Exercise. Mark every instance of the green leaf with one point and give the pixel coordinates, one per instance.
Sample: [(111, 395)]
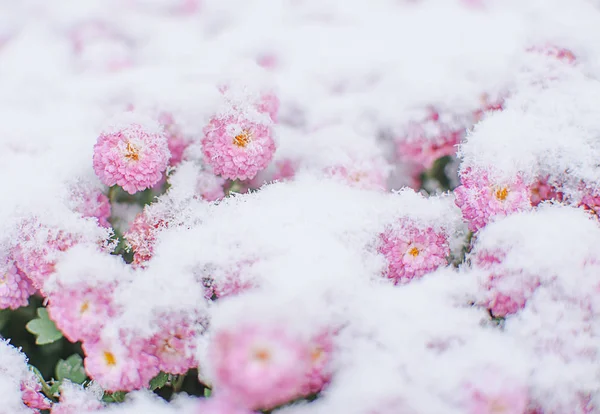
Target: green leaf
[(43, 328), (207, 392), (53, 391), (159, 381), (71, 369)]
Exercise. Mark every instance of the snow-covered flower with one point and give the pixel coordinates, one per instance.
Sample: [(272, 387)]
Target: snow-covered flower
[(482, 199), (258, 366), (412, 250), (15, 286), (132, 157), (117, 365), (237, 147)]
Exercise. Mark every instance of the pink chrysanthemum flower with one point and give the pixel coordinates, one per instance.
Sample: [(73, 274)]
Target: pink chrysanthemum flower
[(116, 366), (93, 203), (141, 236), (412, 251), (37, 251), (80, 312), (425, 142), (492, 394), (210, 186), (15, 286), (236, 147), (259, 367), (367, 176), (176, 141), (503, 291), (74, 399), (175, 344), (319, 373), (31, 391), (219, 282), (132, 158), (480, 200), (541, 191)]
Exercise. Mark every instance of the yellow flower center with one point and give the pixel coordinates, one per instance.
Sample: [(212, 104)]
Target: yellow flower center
[(316, 354), (262, 355), (109, 359), (131, 152), (3, 278), (497, 407), (501, 193), (414, 252), (85, 306), (242, 139)]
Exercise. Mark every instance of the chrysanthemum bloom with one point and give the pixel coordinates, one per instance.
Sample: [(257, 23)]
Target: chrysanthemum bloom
[(81, 311), (412, 251), (141, 236), (174, 344), (117, 366), (541, 191), (74, 399), (236, 147), (15, 286), (132, 158), (37, 251), (210, 186), (176, 141), (425, 142), (366, 175), (93, 203), (590, 200), (31, 390), (491, 394), (480, 200), (259, 367), (319, 374), (503, 291), (507, 293)]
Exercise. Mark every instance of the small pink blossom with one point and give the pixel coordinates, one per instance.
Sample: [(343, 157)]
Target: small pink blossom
[(426, 141), (493, 394), (38, 249), (93, 203), (259, 366), (481, 200), (236, 147), (117, 366), (132, 158), (503, 291), (220, 283), (412, 251), (15, 286), (81, 311), (174, 344)]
